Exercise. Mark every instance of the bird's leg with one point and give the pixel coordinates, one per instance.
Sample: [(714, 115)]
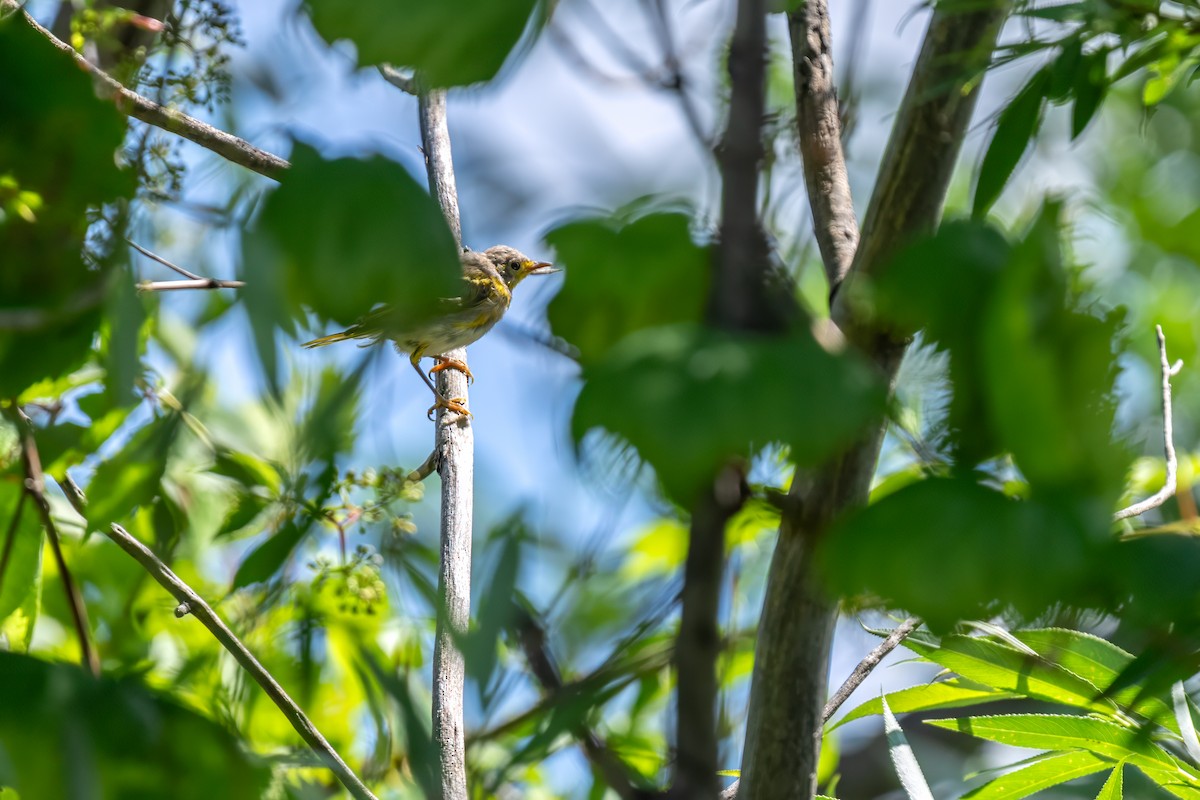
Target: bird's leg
[(444, 363), (454, 404)]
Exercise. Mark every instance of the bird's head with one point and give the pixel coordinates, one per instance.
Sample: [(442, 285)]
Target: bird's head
[(515, 266)]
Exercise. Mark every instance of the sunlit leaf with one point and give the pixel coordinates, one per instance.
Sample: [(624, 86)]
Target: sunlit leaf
[(1112, 788), (1041, 774), (943, 694)]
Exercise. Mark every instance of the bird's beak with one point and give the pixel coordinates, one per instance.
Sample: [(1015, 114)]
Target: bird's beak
[(543, 268)]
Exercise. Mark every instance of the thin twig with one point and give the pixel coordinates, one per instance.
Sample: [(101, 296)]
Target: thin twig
[(454, 442), (199, 283), (853, 681), (1155, 500), (209, 619), (543, 666), (864, 668), (427, 468), (674, 80), (402, 81), (226, 145), (35, 487), (156, 257), (192, 603)]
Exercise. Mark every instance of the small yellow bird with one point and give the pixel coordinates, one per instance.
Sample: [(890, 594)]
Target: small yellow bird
[(490, 277)]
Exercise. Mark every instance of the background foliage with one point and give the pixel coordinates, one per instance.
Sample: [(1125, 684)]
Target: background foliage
[(278, 485)]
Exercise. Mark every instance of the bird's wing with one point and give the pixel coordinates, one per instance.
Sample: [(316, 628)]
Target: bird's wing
[(480, 278)]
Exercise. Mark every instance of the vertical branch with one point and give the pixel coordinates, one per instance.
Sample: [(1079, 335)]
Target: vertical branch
[(820, 136), (35, 487), (739, 301), (791, 663), (455, 449)]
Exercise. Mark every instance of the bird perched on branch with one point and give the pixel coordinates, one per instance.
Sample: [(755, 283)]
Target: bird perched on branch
[(490, 277)]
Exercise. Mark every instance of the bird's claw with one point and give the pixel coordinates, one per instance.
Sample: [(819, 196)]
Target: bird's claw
[(454, 364), (454, 404)]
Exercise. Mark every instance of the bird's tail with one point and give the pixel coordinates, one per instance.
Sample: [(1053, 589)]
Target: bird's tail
[(342, 336)]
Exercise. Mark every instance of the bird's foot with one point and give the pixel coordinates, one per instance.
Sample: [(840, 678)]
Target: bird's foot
[(454, 404), (451, 363)]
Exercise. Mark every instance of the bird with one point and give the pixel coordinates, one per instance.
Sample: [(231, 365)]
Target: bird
[(490, 277)]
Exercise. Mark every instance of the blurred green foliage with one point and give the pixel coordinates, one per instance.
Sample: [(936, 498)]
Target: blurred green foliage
[(449, 44), (994, 495)]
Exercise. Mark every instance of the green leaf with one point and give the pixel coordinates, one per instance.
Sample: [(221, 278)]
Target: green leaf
[(245, 508), (1065, 732), (1015, 128), (943, 283), (1041, 774), (954, 693), (1112, 789), (341, 236), (63, 729), (1061, 12), (1065, 70), (999, 666), (1048, 374), (20, 555), (131, 477), (270, 556), (248, 470), (451, 44), (997, 546), (620, 279), (1099, 662), (124, 317), (49, 100), (1091, 84), (689, 399)]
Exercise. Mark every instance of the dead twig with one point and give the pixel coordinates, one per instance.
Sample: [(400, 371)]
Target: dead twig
[(199, 283), (1155, 500)]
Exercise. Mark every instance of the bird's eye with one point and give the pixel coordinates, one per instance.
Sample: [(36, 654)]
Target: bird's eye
[(515, 266)]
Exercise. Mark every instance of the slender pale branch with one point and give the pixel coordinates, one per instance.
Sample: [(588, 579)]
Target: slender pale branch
[(169, 265), (819, 125), (192, 603), (199, 283), (1155, 500), (196, 606), (226, 145), (454, 444), (35, 487)]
